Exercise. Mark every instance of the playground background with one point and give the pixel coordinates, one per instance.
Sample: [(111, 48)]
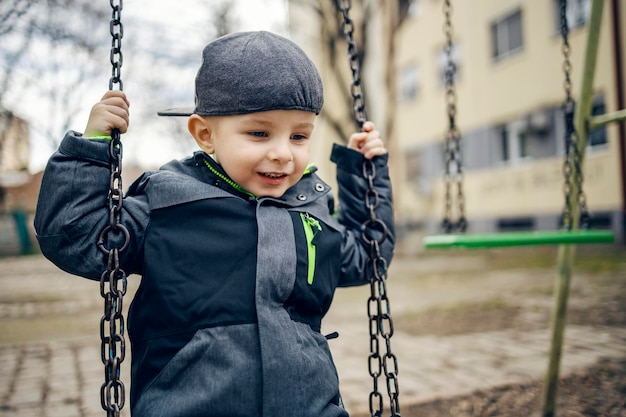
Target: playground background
[(512, 289), (471, 332)]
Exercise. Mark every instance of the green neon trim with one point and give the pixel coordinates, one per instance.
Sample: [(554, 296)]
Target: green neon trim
[(107, 137), (307, 170), (309, 223), (228, 180)]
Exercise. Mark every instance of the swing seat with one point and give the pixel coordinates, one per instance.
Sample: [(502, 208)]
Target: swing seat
[(494, 240)]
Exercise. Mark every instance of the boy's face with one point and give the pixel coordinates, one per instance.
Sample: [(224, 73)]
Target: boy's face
[(266, 152)]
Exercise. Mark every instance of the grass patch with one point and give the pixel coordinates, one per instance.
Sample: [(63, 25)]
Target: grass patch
[(602, 259), (32, 298), (43, 329), (460, 318)]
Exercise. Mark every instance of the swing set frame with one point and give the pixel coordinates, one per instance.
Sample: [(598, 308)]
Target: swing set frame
[(583, 123), (566, 253), (566, 239)]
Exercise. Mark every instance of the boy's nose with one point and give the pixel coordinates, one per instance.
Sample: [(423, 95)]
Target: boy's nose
[(280, 151)]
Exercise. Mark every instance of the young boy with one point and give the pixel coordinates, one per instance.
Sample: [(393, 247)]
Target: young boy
[(238, 246)]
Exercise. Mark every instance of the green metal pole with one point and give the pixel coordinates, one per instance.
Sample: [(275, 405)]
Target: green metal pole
[(566, 253), (597, 121)]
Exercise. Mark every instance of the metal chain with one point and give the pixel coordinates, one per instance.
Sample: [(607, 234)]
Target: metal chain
[(572, 170), (453, 176), (117, 33), (113, 281), (360, 116), (373, 231)]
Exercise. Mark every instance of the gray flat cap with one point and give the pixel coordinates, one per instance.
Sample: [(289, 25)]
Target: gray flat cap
[(248, 72)]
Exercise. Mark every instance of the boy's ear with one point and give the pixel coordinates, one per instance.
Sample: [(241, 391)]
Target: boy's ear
[(200, 129)]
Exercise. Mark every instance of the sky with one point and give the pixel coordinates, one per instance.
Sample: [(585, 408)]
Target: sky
[(141, 145)]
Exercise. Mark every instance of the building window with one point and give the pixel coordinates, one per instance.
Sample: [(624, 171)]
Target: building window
[(506, 35), (516, 224), (601, 221), (442, 63), (514, 145), (413, 8), (408, 8), (409, 83), (597, 137), (577, 13), (504, 144), (522, 144)]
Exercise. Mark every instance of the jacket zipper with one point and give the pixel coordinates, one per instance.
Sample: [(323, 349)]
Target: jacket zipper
[(311, 228), (228, 180)]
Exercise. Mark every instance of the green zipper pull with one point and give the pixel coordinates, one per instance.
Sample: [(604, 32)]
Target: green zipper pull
[(309, 223), (313, 222)]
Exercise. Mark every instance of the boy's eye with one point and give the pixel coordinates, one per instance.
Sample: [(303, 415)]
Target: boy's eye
[(258, 134), (298, 137)]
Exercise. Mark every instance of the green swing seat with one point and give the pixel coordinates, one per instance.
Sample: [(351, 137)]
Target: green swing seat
[(494, 240)]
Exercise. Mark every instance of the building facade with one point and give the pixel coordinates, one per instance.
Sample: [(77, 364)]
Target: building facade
[(18, 191), (509, 85)]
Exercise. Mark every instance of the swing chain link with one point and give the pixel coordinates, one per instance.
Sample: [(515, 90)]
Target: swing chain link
[(355, 89), (117, 33), (373, 232), (572, 170), (113, 282), (453, 176)]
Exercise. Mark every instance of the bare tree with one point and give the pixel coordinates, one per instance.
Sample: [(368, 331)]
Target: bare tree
[(53, 52), (334, 56), (363, 13), (44, 55), (224, 22)]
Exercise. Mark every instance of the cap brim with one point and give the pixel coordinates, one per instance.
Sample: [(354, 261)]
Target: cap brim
[(177, 112)]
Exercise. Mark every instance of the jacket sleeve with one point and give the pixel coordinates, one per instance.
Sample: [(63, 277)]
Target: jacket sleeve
[(72, 210), (353, 213)]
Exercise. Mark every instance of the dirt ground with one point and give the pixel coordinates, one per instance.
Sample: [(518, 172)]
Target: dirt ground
[(597, 298), (442, 294), (601, 392)]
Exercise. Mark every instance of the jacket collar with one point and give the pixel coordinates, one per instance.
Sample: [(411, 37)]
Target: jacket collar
[(308, 189)]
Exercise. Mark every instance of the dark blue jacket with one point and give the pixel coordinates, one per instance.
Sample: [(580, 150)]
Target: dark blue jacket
[(226, 320)]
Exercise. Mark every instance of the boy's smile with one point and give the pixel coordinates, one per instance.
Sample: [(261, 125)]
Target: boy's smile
[(273, 178), (265, 153)]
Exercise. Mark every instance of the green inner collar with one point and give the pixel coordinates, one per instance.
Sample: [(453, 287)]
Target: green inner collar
[(228, 180), (237, 186)]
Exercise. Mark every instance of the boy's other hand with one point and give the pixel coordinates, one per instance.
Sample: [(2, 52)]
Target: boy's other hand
[(111, 112), (368, 141)]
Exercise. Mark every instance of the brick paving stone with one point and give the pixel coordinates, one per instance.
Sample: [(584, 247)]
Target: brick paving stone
[(91, 400), (27, 393), (26, 411), (62, 410)]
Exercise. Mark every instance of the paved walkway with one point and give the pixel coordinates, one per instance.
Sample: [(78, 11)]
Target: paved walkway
[(52, 369), (436, 367)]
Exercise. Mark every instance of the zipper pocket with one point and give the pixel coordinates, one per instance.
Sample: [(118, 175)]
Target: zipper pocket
[(311, 228)]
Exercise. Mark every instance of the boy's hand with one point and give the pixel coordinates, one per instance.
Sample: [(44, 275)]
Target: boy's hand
[(108, 114), (368, 142)]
